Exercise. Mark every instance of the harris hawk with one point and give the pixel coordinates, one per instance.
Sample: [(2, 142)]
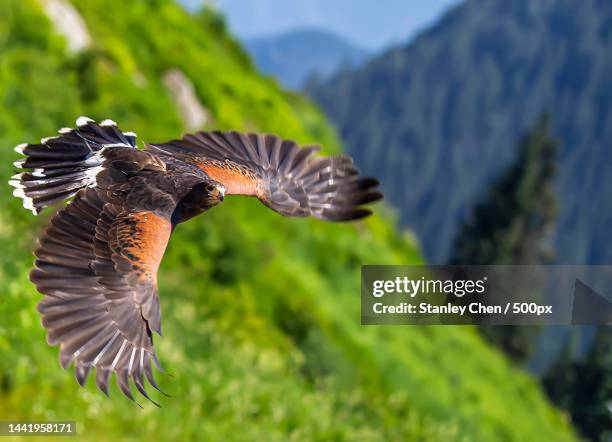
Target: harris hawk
[(97, 260)]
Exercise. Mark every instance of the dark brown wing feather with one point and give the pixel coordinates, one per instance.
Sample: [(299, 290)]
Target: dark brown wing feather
[(289, 179), (96, 265)]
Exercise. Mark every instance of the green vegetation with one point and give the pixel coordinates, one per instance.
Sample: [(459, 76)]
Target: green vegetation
[(583, 386), (260, 313)]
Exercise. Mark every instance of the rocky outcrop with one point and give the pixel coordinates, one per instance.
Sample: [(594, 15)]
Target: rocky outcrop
[(69, 23), (194, 114)]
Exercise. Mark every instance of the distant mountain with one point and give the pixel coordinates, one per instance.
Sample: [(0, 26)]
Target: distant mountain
[(437, 119), (292, 57)]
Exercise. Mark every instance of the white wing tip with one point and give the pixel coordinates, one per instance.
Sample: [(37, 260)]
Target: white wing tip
[(82, 121), (29, 205), (64, 130), (16, 183), (20, 147), (47, 139), (27, 201), (19, 193), (19, 163), (108, 122)]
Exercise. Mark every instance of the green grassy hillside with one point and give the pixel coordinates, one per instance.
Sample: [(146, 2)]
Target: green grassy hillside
[(261, 313)]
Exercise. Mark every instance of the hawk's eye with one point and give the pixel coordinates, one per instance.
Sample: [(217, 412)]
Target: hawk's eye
[(209, 188)]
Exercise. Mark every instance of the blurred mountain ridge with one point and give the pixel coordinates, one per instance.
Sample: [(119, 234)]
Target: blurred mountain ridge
[(292, 57), (437, 118)]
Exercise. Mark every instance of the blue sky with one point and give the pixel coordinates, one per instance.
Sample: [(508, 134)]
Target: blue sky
[(372, 24)]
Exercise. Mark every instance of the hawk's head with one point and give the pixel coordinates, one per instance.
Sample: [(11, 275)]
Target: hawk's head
[(215, 192)]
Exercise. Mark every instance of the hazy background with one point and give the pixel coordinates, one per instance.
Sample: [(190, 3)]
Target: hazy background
[(370, 24)]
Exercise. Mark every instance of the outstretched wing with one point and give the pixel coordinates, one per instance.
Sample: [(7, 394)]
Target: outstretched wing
[(97, 266), (291, 180)]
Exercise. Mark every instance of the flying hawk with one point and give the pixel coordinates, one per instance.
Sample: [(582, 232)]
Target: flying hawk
[(97, 261)]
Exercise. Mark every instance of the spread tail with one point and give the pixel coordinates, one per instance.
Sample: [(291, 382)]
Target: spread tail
[(60, 166)]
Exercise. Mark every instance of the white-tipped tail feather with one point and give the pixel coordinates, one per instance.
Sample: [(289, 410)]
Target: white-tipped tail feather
[(60, 166), (107, 122), (19, 148), (83, 121)]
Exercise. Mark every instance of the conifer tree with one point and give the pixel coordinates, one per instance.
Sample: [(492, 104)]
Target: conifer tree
[(512, 225), (584, 387)]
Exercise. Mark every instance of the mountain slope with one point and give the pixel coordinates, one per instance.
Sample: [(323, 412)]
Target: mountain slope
[(438, 117), (261, 313), (293, 56)]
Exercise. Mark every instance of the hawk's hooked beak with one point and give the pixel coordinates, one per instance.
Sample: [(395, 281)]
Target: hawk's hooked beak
[(221, 190)]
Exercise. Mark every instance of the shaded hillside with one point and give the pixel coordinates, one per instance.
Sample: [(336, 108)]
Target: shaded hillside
[(260, 313), (293, 56), (437, 118)]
